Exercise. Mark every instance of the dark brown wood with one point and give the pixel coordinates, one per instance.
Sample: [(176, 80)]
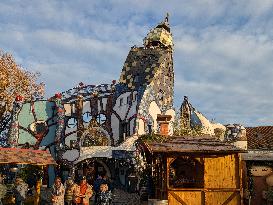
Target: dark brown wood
[(203, 198), (164, 118), (237, 173)]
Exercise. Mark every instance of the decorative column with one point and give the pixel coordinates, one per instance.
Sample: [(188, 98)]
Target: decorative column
[(60, 119), (59, 128), (80, 127), (13, 134)]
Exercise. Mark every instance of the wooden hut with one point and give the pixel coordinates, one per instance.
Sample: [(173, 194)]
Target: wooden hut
[(196, 170)]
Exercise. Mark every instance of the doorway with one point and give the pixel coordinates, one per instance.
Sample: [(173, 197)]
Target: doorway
[(91, 169)]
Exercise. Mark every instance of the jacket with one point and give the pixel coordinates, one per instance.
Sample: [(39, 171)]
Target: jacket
[(57, 195), (86, 196)]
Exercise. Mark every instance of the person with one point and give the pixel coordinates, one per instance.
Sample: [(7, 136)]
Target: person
[(97, 183), (20, 191), (104, 196), (69, 190), (57, 192), (3, 189), (83, 192)]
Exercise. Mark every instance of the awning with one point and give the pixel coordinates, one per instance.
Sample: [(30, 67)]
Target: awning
[(258, 156), (25, 156), (127, 147)]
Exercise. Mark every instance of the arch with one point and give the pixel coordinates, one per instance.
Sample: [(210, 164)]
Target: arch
[(95, 136), (108, 172)]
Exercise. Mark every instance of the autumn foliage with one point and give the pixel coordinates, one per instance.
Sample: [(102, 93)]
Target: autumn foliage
[(16, 83)]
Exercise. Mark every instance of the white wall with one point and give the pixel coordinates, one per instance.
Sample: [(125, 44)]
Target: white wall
[(154, 111), (70, 137), (122, 110), (141, 128), (71, 155), (115, 127), (86, 107)]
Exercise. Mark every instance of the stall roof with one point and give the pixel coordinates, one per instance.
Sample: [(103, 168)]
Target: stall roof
[(190, 144), (25, 156)]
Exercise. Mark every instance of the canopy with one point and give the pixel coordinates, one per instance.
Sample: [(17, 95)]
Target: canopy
[(25, 156)]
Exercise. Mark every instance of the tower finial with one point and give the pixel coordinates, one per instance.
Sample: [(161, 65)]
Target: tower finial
[(167, 17)]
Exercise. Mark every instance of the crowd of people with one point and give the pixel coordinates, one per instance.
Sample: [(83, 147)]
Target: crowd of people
[(72, 193), (69, 193)]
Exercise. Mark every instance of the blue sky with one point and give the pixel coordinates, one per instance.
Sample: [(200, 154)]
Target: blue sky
[(223, 54)]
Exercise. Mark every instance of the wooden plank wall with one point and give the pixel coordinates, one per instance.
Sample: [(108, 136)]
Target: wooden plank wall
[(186, 197), (222, 183), (220, 198), (220, 172)]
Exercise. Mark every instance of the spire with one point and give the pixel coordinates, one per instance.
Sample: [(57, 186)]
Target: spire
[(160, 35), (185, 112), (167, 17), (165, 24)]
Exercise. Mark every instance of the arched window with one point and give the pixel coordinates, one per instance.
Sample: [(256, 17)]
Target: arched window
[(186, 172)]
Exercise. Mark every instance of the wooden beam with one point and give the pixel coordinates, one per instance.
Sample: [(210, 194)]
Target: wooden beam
[(203, 198), (230, 198), (177, 198), (241, 179)]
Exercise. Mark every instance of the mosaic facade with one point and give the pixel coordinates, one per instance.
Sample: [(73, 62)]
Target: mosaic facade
[(101, 121)]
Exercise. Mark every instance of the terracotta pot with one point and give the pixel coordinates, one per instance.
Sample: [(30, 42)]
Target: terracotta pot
[(260, 171)]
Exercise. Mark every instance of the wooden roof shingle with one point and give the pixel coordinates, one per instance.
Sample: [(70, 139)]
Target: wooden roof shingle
[(190, 144), (25, 156)]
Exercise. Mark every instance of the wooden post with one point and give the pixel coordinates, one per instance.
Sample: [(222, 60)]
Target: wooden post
[(38, 191), (241, 178)]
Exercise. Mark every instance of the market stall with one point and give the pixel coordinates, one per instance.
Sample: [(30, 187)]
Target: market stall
[(196, 170), (17, 156)]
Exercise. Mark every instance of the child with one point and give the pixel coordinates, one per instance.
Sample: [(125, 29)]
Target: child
[(104, 196)]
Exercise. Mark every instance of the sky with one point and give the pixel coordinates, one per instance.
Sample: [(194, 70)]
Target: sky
[(223, 50)]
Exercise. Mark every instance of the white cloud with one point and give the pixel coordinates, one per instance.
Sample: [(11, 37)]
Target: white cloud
[(223, 49)]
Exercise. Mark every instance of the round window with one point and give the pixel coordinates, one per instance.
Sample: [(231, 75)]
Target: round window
[(39, 127), (101, 118), (87, 117), (72, 122)]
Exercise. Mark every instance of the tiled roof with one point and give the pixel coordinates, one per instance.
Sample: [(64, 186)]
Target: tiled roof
[(25, 156), (260, 138), (201, 144)]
